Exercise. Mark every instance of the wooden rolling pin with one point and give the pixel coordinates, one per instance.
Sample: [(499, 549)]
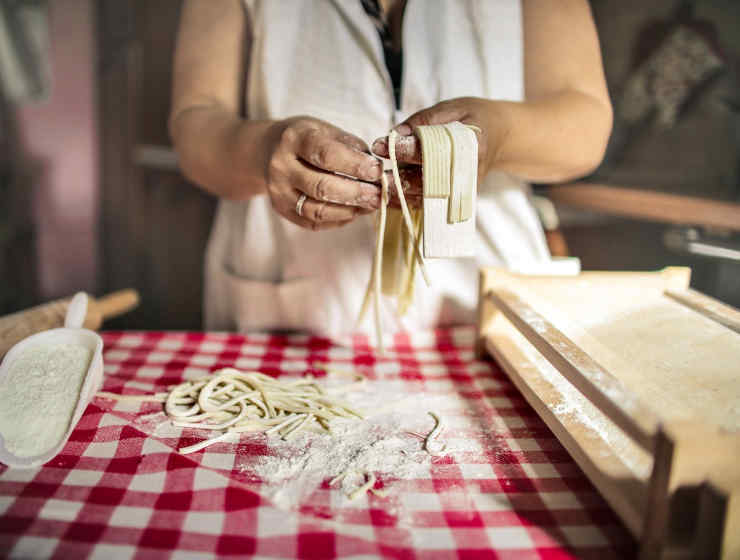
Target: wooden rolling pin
[(16, 327)]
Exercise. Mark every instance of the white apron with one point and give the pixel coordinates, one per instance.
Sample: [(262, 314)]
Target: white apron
[(324, 58)]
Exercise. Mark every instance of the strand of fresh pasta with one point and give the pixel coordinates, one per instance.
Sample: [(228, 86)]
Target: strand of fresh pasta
[(367, 486), (378, 272), (374, 284), (156, 397), (402, 200), (429, 441), (364, 488)]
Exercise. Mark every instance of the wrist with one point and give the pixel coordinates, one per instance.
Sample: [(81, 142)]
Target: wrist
[(248, 145), (497, 128)]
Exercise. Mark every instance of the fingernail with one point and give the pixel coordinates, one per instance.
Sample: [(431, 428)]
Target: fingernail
[(404, 129), (376, 170)]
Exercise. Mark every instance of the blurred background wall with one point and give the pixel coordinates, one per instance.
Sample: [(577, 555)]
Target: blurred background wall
[(60, 138), (93, 198)]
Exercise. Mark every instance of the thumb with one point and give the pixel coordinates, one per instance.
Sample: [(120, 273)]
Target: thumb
[(441, 113), (408, 148)]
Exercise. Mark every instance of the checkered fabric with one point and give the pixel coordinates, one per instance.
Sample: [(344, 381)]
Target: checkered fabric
[(118, 490)]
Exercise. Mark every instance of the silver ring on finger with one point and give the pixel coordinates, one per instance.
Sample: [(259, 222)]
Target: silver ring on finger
[(299, 204)]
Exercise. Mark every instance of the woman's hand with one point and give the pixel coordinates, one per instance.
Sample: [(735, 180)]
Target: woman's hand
[(331, 167), (240, 159)]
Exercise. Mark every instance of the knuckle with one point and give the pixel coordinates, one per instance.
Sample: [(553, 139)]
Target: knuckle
[(309, 139), (359, 169), (320, 213), (321, 189), (322, 155), (422, 119), (369, 169), (289, 135)]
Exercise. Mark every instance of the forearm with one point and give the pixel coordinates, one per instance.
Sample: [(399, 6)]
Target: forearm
[(552, 139), (221, 152)]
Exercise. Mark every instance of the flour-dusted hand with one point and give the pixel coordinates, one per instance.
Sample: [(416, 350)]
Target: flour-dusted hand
[(331, 167)]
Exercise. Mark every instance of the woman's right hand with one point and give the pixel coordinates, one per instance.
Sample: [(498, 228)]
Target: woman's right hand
[(333, 168)]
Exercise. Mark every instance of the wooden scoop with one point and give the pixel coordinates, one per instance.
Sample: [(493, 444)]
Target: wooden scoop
[(17, 326)]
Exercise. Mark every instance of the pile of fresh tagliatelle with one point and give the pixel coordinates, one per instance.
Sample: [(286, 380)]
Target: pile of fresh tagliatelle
[(449, 171)]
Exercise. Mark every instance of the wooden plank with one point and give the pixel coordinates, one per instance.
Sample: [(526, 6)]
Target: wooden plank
[(707, 457), (711, 516), (596, 384), (657, 511), (673, 278), (648, 205), (709, 307), (610, 468)]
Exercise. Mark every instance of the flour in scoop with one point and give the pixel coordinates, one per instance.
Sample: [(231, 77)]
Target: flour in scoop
[(38, 396)]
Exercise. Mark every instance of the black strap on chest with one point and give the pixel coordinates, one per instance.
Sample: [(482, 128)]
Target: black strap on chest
[(393, 58)]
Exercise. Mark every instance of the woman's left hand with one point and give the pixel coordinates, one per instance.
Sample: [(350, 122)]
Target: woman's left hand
[(467, 110)]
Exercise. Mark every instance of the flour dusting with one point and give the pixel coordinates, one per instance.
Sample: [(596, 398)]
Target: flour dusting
[(388, 443)]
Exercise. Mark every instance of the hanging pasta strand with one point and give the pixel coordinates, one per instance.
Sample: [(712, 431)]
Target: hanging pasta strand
[(449, 167)]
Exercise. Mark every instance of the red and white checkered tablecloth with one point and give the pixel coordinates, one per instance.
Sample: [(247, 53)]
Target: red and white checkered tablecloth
[(117, 490)]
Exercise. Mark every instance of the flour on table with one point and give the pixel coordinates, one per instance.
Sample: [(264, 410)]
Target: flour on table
[(388, 444), (38, 396)]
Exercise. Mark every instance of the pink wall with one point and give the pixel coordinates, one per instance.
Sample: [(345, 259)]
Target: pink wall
[(60, 134)]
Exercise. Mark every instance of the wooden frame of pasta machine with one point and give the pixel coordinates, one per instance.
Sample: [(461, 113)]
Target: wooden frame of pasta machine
[(639, 378)]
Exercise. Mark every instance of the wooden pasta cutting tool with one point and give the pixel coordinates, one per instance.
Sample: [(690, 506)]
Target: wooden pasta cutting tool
[(639, 378)]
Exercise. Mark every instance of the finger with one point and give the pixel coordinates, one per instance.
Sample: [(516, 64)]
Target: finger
[(441, 113), (327, 187), (322, 212), (322, 148), (304, 222), (408, 149), (353, 141)]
